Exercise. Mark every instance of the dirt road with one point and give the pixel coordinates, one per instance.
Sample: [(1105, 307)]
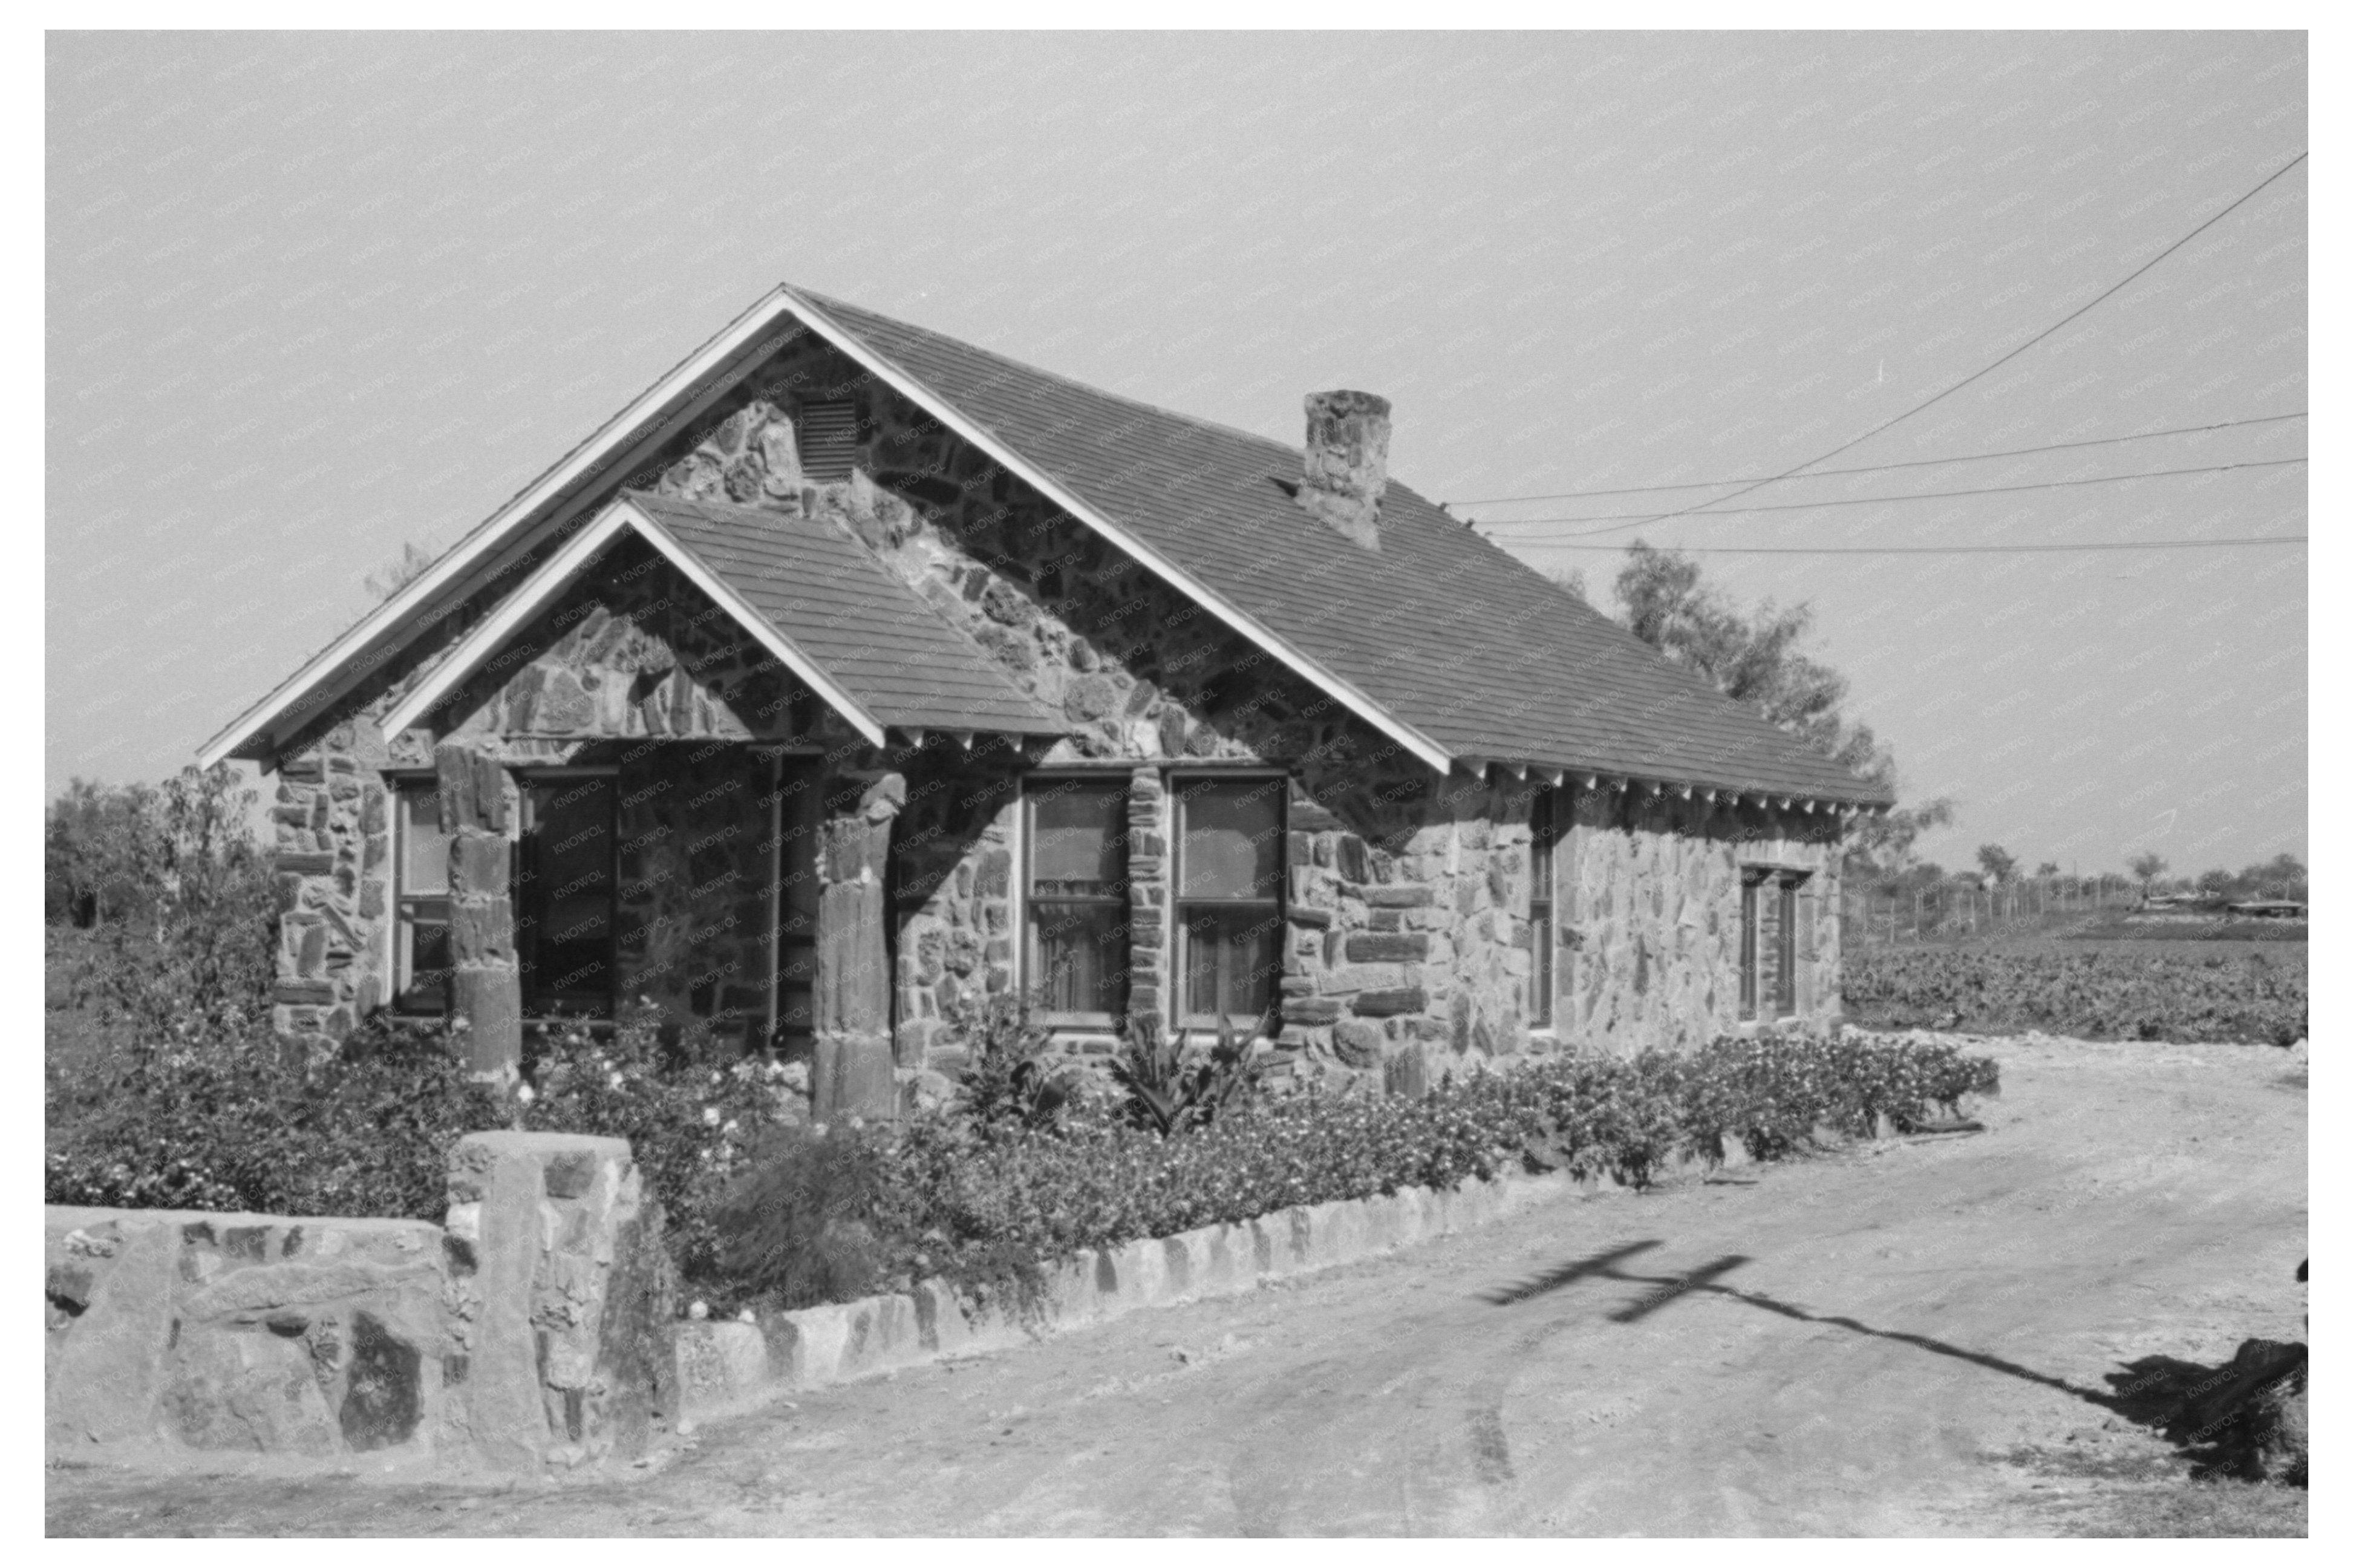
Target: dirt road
[(1920, 1337)]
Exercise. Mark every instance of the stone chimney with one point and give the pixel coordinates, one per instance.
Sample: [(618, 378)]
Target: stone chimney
[(1347, 464)]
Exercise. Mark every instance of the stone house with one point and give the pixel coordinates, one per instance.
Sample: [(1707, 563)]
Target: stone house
[(852, 672)]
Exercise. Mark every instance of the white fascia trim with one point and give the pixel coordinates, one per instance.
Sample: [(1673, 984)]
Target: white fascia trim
[(574, 557), (1405, 735), (485, 640), (752, 621), (622, 428)]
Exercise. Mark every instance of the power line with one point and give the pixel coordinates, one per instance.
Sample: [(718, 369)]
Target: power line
[(1960, 550), (1980, 375), (1874, 467), (1639, 517)]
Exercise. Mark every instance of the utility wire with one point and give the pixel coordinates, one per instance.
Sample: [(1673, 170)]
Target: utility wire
[(1960, 550), (1881, 500), (1868, 468), (2070, 317)]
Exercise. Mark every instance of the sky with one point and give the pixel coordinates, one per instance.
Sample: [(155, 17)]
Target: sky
[(312, 297)]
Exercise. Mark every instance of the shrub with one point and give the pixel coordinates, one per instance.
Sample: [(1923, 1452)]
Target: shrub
[(799, 1230), (988, 1206), (1170, 1091), (176, 898), (1007, 1080), (228, 1125), (691, 1124)]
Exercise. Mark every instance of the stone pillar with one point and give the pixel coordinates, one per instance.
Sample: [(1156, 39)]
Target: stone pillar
[(853, 1072), (485, 987), (1147, 894), (560, 1302)]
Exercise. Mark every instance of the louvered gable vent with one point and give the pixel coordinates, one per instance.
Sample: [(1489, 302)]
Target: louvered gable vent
[(828, 440)]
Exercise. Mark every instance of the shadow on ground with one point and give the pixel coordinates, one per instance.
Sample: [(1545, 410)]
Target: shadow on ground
[(2225, 1420)]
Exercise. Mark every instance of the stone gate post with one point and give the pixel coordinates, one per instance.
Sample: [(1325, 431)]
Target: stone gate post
[(485, 987), (853, 1067)]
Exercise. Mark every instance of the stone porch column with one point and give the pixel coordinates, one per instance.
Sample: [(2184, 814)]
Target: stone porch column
[(853, 1069), (485, 987)]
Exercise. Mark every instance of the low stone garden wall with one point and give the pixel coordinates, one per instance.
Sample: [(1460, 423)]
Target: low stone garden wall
[(530, 1330)]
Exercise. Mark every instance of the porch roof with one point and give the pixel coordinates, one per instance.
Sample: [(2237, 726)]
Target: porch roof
[(858, 621)]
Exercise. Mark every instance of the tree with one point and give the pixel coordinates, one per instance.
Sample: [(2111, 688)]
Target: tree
[(1752, 658), (2049, 868), (98, 844), (2149, 868), (1997, 863), (398, 573), (2283, 877)]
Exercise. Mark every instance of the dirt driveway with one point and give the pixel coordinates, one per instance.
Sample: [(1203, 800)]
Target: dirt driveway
[(1920, 1337)]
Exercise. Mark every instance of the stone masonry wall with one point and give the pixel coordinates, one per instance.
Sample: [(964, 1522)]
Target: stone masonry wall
[(1409, 894), (1650, 905), (629, 666), (1409, 948), (534, 1330)]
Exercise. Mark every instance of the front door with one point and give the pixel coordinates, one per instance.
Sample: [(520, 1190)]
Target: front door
[(564, 885)]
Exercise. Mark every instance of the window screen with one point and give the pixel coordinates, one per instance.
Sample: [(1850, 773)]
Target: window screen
[(1229, 921), (421, 901), (1078, 900)]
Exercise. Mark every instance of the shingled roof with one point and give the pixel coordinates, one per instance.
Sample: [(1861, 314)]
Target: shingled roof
[(1440, 639), (813, 581), (1438, 627)]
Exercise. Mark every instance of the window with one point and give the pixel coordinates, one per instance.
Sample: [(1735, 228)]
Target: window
[(1229, 925), (564, 898), (1542, 835), (1077, 903), (1768, 942), (420, 938), (827, 434)]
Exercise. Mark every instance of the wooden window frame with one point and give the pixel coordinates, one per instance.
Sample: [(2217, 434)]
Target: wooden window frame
[(1544, 843), (1768, 981), (404, 905), (1178, 787), (1026, 900)]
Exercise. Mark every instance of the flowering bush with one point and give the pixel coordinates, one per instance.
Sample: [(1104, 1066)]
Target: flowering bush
[(226, 1124), (222, 1123), (2259, 996), (988, 1205), (690, 1121)]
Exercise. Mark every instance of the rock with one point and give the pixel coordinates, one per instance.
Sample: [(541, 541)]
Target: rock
[(1310, 1010), (1090, 697), (254, 1392), (384, 1391), (1387, 1003), (1356, 1043), (1387, 947)]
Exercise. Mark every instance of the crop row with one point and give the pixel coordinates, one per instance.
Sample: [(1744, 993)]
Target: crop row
[(2092, 995)]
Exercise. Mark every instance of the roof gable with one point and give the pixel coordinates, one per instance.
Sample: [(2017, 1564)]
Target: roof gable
[(1442, 641), (807, 591), (1447, 633)]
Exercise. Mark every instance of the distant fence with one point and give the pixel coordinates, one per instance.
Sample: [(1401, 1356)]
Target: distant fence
[(1946, 909)]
